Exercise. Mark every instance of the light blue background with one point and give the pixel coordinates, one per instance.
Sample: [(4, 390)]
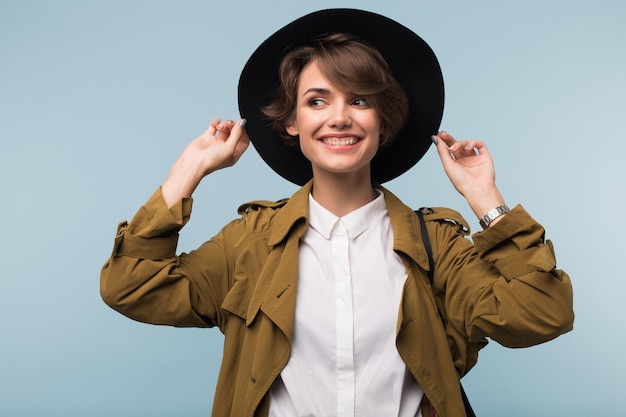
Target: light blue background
[(98, 98)]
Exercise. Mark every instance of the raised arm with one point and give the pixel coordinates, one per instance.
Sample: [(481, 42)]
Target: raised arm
[(504, 285), (144, 278)]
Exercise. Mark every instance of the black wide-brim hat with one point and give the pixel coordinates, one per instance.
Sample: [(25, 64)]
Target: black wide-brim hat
[(411, 60)]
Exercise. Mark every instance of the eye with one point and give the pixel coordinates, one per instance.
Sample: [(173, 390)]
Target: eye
[(360, 102), (315, 102)]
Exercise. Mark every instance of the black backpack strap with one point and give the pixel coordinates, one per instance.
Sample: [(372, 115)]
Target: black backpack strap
[(431, 273), (429, 250)]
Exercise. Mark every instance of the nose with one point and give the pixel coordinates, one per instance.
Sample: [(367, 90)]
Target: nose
[(340, 116)]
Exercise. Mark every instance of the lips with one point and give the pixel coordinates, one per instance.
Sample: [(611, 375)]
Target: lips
[(339, 140)]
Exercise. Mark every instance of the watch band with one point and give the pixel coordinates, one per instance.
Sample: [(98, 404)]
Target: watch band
[(493, 214)]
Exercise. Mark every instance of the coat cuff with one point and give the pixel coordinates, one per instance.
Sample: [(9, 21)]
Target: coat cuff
[(155, 219), (516, 245), (153, 231), (133, 246)]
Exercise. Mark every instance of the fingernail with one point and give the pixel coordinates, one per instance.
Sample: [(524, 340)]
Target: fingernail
[(242, 123), (434, 139)]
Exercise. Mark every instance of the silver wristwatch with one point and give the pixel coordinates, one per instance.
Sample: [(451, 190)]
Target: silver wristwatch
[(493, 214)]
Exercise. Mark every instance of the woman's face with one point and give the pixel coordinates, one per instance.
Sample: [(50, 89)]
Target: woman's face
[(339, 132)]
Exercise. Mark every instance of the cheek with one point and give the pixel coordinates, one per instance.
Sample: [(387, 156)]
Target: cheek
[(375, 125), (308, 122)]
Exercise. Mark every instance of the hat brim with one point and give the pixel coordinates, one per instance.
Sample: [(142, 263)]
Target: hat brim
[(411, 60)]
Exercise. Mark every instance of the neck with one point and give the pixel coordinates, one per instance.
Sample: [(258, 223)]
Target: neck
[(342, 194)]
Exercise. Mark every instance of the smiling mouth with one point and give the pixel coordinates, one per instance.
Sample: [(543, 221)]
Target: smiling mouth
[(339, 141)]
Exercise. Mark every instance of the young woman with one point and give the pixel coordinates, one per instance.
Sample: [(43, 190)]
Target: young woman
[(324, 299)]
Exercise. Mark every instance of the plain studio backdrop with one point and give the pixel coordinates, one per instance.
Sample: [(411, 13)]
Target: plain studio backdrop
[(98, 99)]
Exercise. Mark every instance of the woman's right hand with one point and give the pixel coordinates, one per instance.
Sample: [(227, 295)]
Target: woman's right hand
[(220, 146)]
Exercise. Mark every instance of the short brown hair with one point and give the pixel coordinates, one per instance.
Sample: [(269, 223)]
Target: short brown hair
[(353, 66)]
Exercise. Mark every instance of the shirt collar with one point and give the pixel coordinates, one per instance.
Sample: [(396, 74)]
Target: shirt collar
[(294, 216), (356, 222)]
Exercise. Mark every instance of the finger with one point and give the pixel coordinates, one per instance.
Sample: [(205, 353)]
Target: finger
[(223, 130), (212, 129), (447, 138), (462, 148), (219, 128), (451, 149), (443, 149), (243, 143), (458, 149), (226, 126), (238, 139), (458, 146), (471, 148), (479, 147)]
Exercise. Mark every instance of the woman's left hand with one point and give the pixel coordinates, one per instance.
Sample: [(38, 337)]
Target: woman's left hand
[(470, 168)]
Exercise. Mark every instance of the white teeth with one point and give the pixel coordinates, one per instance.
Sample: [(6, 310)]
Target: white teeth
[(339, 141)]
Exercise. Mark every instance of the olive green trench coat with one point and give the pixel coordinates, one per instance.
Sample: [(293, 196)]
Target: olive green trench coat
[(504, 286)]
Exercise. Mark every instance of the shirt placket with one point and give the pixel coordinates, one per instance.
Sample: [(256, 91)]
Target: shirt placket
[(345, 320)]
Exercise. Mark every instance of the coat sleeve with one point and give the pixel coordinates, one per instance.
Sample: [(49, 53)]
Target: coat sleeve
[(505, 286), (145, 280)]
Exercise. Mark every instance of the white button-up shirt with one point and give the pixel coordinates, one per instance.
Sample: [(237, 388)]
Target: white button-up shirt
[(344, 361)]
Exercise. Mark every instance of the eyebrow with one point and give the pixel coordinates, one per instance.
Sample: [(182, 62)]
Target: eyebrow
[(317, 90)]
